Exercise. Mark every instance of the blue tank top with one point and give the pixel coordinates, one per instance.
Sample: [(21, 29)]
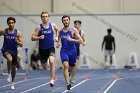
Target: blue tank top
[(68, 45), (77, 44), (48, 41), (10, 44)]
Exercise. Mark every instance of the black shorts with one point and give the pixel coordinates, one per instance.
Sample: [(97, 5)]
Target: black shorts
[(78, 52), (14, 56), (45, 53)]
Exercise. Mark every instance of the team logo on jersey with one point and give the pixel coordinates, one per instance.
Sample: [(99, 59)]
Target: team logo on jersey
[(46, 32), (64, 36), (10, 37)]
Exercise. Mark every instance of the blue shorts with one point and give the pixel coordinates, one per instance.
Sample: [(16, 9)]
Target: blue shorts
[(68, 55)]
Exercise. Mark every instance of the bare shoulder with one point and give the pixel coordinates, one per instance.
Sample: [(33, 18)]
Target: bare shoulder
[(18, 33), (75, 30), (2, 31), (37, 27), (54, 25)]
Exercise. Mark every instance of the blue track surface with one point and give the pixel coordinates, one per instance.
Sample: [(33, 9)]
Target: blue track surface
[(87, 81)]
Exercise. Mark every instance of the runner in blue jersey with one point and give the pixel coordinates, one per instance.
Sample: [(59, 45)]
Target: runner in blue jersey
[(77, 25), (12, 39), (68, 50), (45, 34)]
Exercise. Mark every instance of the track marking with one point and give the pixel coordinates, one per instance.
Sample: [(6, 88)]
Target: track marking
[(35, 87), (75, 86), (110, 86), (100, 91), (14, 83), (75, 80), (23, 81)]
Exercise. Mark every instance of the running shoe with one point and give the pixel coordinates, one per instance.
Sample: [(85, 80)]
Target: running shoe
[(52, 83), (12, 85)]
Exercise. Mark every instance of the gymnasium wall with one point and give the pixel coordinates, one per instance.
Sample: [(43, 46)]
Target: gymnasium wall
[(24, 6), (98, 6), (66, 6), (125, 30)]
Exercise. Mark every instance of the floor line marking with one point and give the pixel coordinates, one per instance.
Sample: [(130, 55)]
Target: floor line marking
[(35, 87), (75, 80), (100, 91), (110, 86), (75, 86)]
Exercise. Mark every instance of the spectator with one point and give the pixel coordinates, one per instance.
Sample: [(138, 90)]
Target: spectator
[(34, 60)]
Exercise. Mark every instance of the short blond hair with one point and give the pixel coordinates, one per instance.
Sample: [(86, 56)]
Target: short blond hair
[(45, 12)]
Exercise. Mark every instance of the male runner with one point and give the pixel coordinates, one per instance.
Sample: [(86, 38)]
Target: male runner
[(45, 34), (12, 39)]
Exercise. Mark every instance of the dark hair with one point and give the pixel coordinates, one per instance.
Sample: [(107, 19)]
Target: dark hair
[(109, 30), (11, 18), (77, 21), (65, 17)]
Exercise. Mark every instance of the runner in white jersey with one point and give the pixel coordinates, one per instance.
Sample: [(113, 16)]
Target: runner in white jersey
[(77, 25)]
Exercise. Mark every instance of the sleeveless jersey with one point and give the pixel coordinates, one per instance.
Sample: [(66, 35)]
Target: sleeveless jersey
[(10, 44), (48, 41), (68, 45)]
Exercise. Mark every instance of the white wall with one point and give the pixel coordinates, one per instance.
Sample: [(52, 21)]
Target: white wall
[(94, 6), (125, 29), (67, 6), (24, 6), (132, 6)]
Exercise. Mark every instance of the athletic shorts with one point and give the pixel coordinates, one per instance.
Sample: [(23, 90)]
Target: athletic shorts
[(78, 52), (45, 53), (68, 55), (108, 52), (14, 56)]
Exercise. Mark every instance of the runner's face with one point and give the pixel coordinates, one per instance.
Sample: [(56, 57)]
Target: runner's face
[(77, 25), (45, 18), (11, 24), (66, 22)]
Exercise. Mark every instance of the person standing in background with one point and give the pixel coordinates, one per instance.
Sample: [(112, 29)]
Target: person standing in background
[(109, 42)]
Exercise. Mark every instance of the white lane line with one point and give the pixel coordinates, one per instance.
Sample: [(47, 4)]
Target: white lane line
[(56, 89), (110, 86), (75, 86), (81, 78), (100, 91), (77, 78), (35, 87), (23, 81), (14, 83)]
